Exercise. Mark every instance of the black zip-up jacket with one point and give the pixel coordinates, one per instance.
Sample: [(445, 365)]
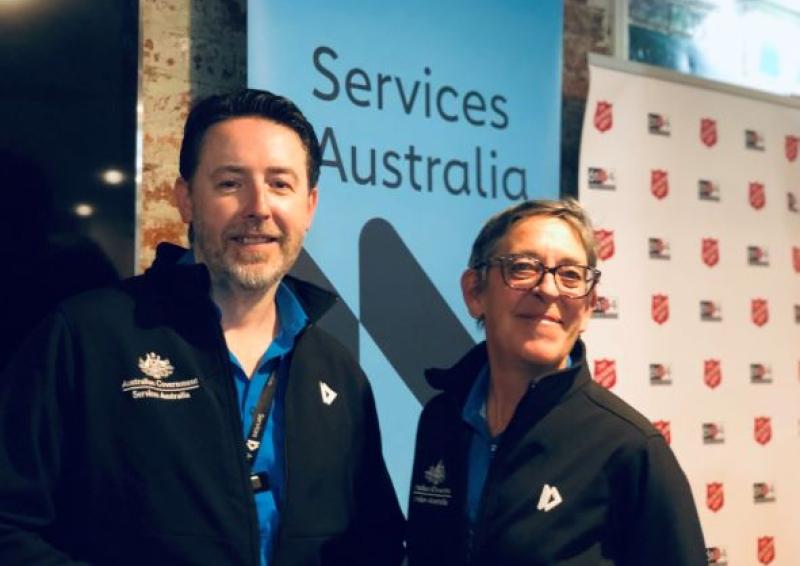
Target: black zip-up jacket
[(579, 478), (121, 441)]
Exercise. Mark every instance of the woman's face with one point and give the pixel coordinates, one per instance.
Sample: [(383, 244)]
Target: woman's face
[(536, 327)]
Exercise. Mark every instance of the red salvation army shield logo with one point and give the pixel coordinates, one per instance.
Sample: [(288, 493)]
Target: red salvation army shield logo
[(715, 496), (796, 258), (757, 196), (605, 243), (762, 430), (759, 312), (712, 373), (710, 252), (664, 428), (766, 549), (708, 131), (659, 308), (605, 373), (659, 183), (603, 116), (791, 147)]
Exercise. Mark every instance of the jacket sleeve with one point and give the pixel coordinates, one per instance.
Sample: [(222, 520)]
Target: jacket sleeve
[(378, 529), (660, 525), (33, 397)]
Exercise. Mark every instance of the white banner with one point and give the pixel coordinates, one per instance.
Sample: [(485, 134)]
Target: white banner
[(694, 189)]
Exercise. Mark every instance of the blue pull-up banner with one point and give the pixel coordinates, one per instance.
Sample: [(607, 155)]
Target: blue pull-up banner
[(431, 117)]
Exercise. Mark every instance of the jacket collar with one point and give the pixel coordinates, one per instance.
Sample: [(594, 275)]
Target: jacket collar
[(188, 284), (457, 381)]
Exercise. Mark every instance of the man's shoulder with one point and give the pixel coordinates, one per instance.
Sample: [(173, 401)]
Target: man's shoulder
[(325, 340), (314, 300), (133, 303), (320, 350), (122, 294)]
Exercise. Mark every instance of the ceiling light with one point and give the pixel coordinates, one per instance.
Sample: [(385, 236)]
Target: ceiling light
[(112, 176), (83, 210)]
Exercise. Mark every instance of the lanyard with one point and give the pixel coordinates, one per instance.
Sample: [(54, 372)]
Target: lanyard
[(260, 480)]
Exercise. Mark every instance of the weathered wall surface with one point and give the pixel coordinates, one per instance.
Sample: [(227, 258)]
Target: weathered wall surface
[(189, 48)]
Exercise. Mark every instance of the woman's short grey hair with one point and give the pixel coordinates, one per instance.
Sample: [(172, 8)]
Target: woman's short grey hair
[(568, 210)]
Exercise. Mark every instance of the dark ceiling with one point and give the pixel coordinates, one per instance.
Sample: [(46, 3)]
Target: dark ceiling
[(68, 82)]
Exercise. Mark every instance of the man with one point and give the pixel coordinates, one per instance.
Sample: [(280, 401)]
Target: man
[(523, 458), (196, 414)]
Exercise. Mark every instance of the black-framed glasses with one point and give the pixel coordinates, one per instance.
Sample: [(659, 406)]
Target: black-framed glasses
[(525, 272)]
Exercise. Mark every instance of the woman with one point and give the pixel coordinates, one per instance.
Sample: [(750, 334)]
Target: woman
[(523, 459)]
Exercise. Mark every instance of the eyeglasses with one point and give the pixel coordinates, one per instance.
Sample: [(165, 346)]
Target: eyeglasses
[(524, 272)]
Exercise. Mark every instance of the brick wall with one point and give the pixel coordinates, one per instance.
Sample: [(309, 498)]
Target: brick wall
[(189, 48)]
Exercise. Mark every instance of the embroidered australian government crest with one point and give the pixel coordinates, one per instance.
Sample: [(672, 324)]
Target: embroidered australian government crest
[(154, 385), (155, 367), (435, 474), (433, 491)]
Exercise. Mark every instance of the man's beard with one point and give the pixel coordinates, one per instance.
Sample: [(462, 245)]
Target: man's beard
[(249, 271)]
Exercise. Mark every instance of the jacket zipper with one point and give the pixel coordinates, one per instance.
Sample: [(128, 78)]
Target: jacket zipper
[(282, 503), (477, 529), (496, 448), (230, 387)]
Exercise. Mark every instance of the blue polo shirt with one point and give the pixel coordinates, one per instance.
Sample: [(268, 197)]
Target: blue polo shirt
[(291, 321), (482, 445)]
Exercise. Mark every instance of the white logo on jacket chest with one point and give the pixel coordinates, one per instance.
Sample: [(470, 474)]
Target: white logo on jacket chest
[(549, 498), (156, 367), (434, 492), (328, 394), (436, 474), (154, 385)]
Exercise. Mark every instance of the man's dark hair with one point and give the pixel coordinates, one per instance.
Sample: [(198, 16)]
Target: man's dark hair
[(249, 102)]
